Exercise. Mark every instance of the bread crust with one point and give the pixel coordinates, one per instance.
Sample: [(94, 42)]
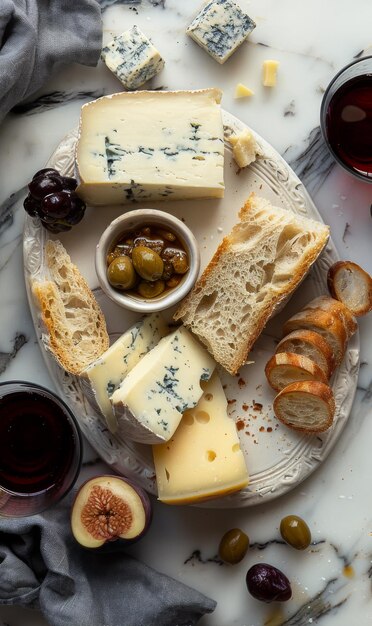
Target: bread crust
[(294, 367), (336, 308), (208, 282), (317, 344), (322, 392), (345, 272), (75, 326)]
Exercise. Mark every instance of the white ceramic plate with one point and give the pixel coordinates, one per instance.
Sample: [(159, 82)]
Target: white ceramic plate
[(278, 459)]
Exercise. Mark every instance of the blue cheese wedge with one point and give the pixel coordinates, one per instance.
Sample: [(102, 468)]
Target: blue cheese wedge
[(151, 145), (151, 400), (104, 376), (203, 459), (220, 28), (132, 58)]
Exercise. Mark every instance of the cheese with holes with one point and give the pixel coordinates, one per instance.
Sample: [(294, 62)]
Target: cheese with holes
[(270, 68), (151, 400), (132, 58), (104, 376), (203, 459), (245, 148), (220, 28), (151, 145)]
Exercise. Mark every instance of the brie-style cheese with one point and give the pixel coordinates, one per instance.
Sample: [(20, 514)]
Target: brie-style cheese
[(166, 382), (151, 145), (203, 459)]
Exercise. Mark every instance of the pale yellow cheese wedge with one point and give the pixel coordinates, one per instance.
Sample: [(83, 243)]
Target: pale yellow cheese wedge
[(270, 68), (241, 91)]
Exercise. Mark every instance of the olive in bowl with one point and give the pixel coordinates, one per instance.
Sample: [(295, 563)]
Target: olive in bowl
[(147, 260)]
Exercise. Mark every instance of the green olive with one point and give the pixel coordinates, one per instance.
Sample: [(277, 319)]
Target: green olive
[(147, 263), (180, 262), (121, 274), (233, 546), (151, 290), (295, 532)]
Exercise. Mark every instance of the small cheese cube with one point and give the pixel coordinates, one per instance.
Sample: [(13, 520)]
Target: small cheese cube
[(151, 400), (203, 459), (270, 68), (245, 148), (241, 91), (104, 376), (132, 58), (220, 28), (151, 145)]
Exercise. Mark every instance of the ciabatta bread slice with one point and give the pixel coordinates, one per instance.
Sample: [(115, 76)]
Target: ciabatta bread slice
[(337, 309), (311, 344), (350, 284), (306, 406), (330, 327), (285, 368), (75, 326), (255, 268)]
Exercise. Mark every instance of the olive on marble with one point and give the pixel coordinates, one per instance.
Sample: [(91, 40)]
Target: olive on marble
[(268, 583), (147, 263), (233, 546), (121, 274), (295, 532), (151, 289)]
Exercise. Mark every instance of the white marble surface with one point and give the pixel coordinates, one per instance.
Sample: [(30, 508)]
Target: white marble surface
[(312, 40)]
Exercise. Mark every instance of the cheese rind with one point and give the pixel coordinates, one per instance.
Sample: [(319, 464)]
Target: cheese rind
[(203, 459), (220, 28), (103, 377), (245, 148), (151, 145), (151, 400), (132, 58)]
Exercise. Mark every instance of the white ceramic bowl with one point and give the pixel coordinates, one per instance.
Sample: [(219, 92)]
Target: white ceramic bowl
[(129, 221)]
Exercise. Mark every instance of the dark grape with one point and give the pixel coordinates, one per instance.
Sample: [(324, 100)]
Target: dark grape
[(57, 227), (47, 171), (57, 204), (41, 187), (74, 218), (31, 205), (69, 183)]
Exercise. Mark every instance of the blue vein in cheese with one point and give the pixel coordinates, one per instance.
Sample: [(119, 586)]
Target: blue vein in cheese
[(220, 28), (104, 376), (132, 58), (151, 400)]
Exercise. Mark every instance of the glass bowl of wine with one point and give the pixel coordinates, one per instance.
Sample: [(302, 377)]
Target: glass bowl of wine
[(40, 449), (346, 118)]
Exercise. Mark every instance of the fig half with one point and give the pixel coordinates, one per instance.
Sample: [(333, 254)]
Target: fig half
[(107, 508)]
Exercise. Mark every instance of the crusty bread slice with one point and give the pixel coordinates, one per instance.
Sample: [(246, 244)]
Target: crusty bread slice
[(306, 406), (311, 344), (285, 368), (336, 308), (326, 324), (255, 268), (75, 325), (350, 284)]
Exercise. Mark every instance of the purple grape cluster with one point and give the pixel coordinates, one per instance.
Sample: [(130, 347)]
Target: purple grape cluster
[(53, 199)]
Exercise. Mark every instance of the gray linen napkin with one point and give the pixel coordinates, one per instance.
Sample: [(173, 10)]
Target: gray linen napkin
[(41, 566), (37, 37)]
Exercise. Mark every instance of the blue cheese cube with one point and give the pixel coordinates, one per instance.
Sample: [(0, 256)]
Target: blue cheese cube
[(220, 27), (132, 58)]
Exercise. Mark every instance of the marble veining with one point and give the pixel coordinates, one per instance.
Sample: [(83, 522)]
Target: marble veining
[(331, 580)]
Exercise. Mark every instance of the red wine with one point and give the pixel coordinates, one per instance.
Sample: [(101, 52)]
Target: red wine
[(349, 124), (37, 443)]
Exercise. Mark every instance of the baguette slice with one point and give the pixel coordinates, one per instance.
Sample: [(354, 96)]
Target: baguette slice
[(331, 328), (336, 308), (350, 284), (285, 368), (255, 268), (306, 406), (76, 328), (311, 344)]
